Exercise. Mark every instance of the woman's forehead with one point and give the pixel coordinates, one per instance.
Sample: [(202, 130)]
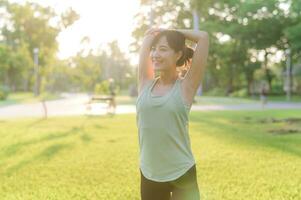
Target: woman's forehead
[(162, 42)]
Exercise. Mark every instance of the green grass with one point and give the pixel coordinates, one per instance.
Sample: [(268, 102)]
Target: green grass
[(200, 100), (294, 98), (211, 100), (26, 97), (238, 157)]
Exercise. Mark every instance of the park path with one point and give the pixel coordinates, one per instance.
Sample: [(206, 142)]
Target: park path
[(76, 104)]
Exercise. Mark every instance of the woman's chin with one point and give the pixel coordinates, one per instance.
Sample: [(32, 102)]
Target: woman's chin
[(157, 68)]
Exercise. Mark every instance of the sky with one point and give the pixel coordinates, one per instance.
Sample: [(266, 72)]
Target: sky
[(102, 21)]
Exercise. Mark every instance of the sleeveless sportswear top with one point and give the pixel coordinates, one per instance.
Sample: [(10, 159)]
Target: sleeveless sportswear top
[(162, 121)]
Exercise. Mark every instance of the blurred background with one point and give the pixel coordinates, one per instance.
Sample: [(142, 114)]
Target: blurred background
[(49, 47), (63, 61)]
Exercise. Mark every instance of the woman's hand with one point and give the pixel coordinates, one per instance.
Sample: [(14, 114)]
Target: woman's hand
[(153, 31), (194, 35)]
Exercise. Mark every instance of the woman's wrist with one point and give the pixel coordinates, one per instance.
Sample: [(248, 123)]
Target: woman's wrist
[(193, 35), (153, 31), (150, 35)]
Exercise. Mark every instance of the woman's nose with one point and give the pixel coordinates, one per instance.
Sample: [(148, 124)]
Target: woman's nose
[(155, 54)]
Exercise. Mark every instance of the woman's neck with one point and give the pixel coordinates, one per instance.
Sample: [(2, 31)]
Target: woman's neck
[(167, 78)]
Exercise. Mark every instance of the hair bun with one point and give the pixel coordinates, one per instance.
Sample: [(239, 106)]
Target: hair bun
[(188, 52), (187, 55)]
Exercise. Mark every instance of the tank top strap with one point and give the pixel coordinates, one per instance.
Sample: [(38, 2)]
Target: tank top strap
[(153, 83), (146, 88)]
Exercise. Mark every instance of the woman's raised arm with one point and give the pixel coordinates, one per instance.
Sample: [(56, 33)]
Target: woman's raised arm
[(145, 69), (196, 71)]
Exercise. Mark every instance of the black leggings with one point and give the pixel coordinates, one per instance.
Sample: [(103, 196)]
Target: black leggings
[(183, 188)]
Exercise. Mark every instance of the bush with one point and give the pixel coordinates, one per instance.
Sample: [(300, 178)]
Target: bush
[(4, 91), (240, 93), (215, 92), (277, 90), (102, 88)]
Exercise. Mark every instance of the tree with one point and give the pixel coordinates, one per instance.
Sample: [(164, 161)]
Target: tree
[(117, 65), (250, 26), (27, 27)]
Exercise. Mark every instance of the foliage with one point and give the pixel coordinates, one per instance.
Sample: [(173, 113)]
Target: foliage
[(4, 91), (102, 88), (240, 93), (215, 92), (25, 27), (28, 26), (238, 31)]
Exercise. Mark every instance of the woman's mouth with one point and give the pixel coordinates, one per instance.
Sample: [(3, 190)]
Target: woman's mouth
[(156, 62)]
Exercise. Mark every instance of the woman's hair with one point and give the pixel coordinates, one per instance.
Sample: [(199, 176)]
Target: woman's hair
[(176, 41)]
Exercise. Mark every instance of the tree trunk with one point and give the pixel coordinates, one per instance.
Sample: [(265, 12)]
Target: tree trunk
[(229, 86), (291, 76), (268, 75), (250, 87)]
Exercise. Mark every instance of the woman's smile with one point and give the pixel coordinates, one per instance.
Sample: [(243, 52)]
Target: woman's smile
[(157, 63)]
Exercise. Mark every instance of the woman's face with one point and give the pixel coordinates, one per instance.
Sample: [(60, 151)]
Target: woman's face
[(163, 57)]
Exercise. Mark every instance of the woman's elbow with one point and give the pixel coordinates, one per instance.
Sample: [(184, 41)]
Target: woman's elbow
[(204, 35)]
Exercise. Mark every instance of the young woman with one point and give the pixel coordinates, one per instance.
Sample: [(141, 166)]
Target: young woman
[(167, 165)]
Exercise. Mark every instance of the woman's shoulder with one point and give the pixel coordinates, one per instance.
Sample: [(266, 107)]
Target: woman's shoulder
[(145, 84)]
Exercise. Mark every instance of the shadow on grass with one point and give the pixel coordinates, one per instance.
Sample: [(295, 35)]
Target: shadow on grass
[(76, 130), (99, 127), (37, 122), (50, 151), (46, 154), (14, 148), (85, 138), (236, 131)]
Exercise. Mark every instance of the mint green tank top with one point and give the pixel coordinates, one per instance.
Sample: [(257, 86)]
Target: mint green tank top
[(162, 121)]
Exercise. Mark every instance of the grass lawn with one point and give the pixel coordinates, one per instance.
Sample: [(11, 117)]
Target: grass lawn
[(294, 98), (200, 100), (212, 100), (240, 155), (26, 97)]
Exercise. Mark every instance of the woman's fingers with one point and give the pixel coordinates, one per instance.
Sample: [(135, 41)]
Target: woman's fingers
[(150, 31), (153, 31), (147, 32)]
